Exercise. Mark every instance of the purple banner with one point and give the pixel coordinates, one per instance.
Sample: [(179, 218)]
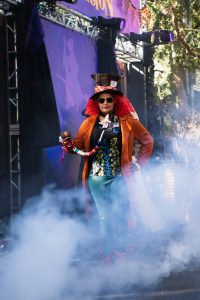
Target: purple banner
[(72, 59), (127, 9)]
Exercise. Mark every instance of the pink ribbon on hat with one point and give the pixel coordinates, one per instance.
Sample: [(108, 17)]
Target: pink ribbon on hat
[(99, 88)]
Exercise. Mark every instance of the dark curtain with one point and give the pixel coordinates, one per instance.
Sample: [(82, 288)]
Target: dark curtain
[(136, 92), (4, 130), (39, 122), (106, 59)]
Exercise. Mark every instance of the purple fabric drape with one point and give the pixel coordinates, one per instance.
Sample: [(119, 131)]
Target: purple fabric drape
[(72, 59)]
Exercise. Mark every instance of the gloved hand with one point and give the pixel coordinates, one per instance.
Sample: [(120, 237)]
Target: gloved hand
[(134, 165), (66, 139)]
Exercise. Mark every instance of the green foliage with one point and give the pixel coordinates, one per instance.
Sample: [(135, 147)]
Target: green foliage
[(183, 19)]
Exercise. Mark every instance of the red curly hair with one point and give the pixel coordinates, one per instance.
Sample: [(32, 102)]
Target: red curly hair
[(122, 106)]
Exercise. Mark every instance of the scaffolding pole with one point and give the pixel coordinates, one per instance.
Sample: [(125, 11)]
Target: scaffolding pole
[(13, 113)]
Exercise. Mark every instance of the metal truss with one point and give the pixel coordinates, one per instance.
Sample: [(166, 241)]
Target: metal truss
[(7, 5), (71, 19), (13, 112), (126, 51)]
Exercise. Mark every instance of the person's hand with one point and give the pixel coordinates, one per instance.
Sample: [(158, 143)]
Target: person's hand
[(134, 165), (65, 134), (65, 138)]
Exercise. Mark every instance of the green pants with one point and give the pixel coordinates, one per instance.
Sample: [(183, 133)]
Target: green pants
[(110, 197)]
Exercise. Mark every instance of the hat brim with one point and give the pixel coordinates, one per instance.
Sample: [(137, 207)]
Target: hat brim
[(109, 91)]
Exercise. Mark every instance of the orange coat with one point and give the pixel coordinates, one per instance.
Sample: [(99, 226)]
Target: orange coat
[(131, 130)]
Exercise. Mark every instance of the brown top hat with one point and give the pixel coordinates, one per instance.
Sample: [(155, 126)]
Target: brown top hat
[(106, 83)]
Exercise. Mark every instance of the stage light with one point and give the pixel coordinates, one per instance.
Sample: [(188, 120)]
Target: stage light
[(158, 37), (144, 37), (161, 37), (122, 24), (115, 23), (166, 36)]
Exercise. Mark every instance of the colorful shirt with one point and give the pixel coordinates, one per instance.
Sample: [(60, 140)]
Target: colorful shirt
[(106, 162)]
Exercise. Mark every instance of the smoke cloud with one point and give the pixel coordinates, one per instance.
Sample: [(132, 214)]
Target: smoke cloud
[(53, 253)]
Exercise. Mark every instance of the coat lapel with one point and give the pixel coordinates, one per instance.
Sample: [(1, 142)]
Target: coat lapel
[(88, 131)]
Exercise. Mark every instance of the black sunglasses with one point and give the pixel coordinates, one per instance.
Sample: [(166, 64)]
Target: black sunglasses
[(108, 100)]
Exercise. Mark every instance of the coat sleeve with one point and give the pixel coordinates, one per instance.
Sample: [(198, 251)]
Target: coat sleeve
[(145, 141)]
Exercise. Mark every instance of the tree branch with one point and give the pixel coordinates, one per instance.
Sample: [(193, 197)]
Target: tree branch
[(181, 39)]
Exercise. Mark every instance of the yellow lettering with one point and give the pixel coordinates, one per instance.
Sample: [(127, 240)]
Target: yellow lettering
[(93, 2), (105, 5), (109, 10), (102, 4), (97, 5)]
